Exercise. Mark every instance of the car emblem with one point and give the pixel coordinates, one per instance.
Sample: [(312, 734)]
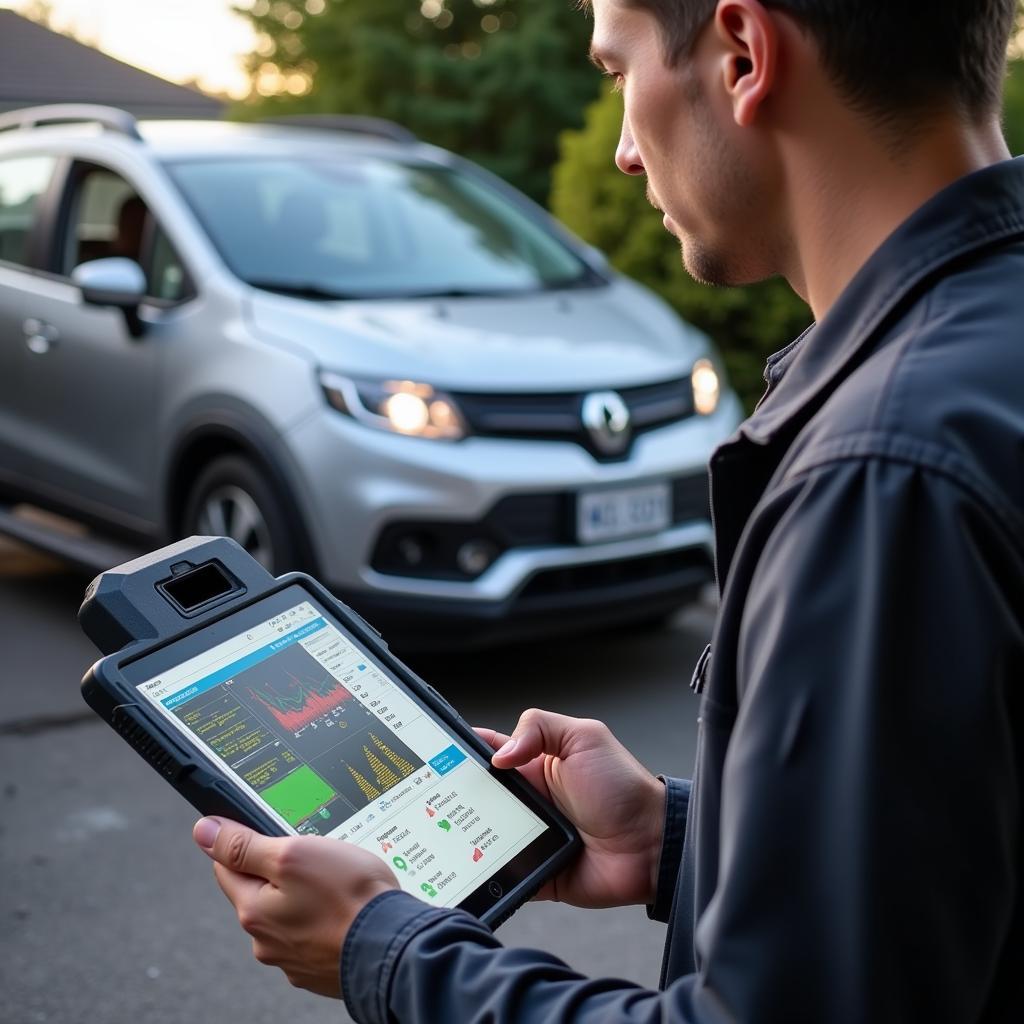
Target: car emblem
[(606, 419)]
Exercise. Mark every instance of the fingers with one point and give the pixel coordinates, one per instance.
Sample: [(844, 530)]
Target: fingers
[(491, 737), (237, 847), (538, 732), (241, 890)]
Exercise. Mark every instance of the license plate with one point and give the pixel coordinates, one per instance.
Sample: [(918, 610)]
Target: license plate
[(625, 512)]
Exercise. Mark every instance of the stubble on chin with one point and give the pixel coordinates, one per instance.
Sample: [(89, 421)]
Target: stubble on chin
[(704, 265)]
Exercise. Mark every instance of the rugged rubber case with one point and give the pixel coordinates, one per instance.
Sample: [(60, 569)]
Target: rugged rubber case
[(136, 608)]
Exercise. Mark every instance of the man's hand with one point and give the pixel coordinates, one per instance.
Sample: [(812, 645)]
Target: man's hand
[(615, 803), (297, 896)]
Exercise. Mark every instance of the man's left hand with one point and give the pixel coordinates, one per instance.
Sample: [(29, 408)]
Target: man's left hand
[(296, 896)]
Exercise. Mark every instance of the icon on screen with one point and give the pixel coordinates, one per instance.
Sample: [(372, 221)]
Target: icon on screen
[(399, 863), (445, 825), (477, 854)]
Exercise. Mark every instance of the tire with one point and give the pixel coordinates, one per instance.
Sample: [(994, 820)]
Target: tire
[(232, 498)]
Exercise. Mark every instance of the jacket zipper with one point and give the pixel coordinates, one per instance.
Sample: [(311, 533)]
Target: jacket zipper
[(697, 680)]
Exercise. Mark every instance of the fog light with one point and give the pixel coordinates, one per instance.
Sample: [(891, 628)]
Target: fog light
[(411, 550), (475, 556)]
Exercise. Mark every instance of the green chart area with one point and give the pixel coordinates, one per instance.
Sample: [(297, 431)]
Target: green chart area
[(298, 795)]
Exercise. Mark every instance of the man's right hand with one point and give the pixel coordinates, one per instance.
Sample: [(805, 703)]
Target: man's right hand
[(617, 806)]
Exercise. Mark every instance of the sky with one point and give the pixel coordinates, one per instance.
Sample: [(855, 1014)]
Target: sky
[(182, 40)]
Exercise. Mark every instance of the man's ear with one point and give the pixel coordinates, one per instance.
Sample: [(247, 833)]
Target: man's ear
[(749, 39)]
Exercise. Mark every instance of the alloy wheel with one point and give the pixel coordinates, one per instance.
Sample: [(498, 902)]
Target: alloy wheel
[(229, 511)]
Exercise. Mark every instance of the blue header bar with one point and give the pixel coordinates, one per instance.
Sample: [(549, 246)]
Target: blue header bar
[(232, 670)]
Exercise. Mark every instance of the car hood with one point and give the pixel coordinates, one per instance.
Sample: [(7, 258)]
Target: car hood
[(612, 336)]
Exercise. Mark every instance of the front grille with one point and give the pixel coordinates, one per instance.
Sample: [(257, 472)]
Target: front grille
[(557, 417), (534, 520)]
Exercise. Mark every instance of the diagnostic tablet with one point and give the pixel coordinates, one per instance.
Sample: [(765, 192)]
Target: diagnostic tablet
[(281, 708)]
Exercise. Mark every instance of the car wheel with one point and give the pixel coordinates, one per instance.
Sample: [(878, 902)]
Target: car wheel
[(231, 498)]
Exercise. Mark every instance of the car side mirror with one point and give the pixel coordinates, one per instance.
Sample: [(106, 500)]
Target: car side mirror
[(115, 281)]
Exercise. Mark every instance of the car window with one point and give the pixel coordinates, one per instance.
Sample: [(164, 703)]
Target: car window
[(23, 180), (166, 274), (362, 226), (109, 218)]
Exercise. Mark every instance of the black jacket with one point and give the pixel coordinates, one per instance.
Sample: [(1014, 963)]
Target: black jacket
[(853, 837)]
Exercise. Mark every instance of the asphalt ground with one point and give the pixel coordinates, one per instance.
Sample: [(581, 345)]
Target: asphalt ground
[(109, 914)]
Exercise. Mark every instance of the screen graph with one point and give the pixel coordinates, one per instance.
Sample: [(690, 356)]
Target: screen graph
[(296, 703), (316, 716), (377, 767)]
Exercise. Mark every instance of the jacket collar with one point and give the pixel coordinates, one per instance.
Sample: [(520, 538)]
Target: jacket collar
[(982, 209)]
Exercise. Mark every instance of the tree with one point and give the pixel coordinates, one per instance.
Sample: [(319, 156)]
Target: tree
[(494, 80), (610, 210)]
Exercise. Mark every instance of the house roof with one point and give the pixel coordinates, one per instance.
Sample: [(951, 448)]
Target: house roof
[(41, 66)]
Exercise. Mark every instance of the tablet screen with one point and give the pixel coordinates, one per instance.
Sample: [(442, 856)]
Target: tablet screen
[(307, 723)]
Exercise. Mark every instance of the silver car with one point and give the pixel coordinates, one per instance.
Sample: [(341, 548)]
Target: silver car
[(354, 353)]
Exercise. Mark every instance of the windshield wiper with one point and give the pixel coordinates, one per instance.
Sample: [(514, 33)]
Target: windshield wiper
[(461, 293), (303, 291), (588, 279)]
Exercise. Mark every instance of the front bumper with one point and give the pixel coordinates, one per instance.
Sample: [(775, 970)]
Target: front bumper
[(360, 481)]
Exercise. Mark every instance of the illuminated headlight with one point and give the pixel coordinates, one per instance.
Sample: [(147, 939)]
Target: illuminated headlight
[(706, 387), (401, 406)]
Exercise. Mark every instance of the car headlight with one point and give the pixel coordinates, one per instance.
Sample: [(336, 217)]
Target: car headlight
[(707, 388), (400, 406)]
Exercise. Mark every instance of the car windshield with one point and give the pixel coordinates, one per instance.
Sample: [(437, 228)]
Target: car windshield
[(360, 227)]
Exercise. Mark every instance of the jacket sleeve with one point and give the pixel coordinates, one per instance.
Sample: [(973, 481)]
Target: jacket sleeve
[(870, 813), (677, 802)]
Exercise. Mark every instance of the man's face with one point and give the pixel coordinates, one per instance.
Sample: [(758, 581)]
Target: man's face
[(678, 129)]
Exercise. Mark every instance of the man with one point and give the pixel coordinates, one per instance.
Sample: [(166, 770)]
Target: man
[(853, 837)]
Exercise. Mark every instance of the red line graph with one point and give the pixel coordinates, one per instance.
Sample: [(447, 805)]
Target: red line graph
[(304, 704)]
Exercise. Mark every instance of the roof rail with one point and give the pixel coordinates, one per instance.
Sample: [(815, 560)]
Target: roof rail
[(357, 123), (112, 118)]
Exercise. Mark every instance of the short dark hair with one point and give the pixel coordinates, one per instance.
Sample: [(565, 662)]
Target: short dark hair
[(890, 58)]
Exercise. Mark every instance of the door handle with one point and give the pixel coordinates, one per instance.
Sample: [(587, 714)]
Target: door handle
[(40, 336)]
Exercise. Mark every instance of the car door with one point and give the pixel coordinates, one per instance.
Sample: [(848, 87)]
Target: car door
[(93, 392), (25, 181)]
